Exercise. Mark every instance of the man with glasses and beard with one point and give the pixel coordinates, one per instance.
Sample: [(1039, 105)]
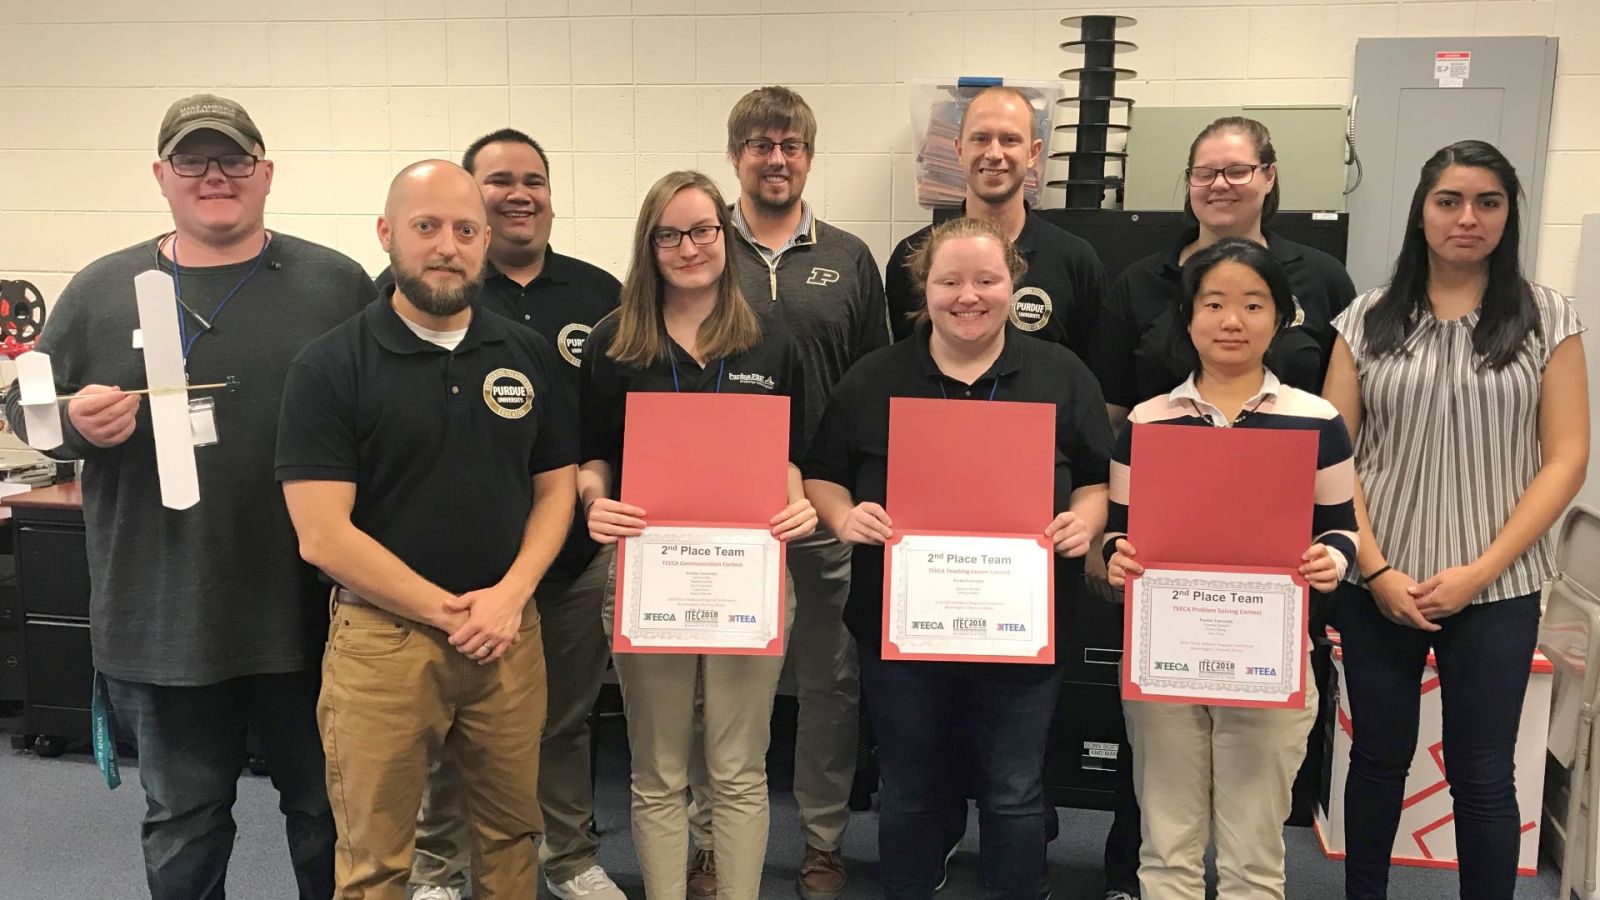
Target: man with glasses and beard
[(205, 625), (429, 469)]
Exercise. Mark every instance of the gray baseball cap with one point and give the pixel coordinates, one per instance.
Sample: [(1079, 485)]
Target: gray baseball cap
[(203, 111)]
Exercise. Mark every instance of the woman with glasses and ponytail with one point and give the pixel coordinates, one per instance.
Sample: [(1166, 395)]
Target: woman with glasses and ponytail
[(1465, 389), (1232, 180), (683, 325)]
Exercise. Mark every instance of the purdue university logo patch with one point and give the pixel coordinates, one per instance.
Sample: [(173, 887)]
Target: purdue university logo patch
[(1031, 308), (508, 393), (570, 342)]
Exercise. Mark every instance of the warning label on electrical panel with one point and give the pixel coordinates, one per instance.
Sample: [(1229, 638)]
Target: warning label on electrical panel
[(1452, 68)]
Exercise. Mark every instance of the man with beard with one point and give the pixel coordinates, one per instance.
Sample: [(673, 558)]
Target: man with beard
[(429, 468), (204, 624), (824, 284), (561, 298), (1059, 297)]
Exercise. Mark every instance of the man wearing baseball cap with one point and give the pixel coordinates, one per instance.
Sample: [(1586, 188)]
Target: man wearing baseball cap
[(205, 623)]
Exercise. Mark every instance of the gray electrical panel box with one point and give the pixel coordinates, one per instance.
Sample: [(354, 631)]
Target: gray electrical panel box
[(1416, 95)]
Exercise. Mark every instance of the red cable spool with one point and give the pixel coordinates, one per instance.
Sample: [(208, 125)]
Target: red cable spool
[(21, 317)]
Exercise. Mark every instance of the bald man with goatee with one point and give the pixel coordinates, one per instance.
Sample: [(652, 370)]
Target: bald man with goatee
[(429, 470)]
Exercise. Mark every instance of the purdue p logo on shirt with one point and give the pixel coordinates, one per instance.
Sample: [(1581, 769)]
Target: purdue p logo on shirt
[(508, 393), (1031, 308)]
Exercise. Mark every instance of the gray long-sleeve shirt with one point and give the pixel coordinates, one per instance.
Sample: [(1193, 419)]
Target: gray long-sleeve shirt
[(217, 591)]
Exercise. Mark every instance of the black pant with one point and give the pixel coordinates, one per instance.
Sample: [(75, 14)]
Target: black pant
[(1483, 655), (191, 743), (1124, 839)]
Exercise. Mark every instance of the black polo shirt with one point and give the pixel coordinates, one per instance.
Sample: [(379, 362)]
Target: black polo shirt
[(1058, 298), (562, 303), (441, 444), (851, 446), (770, 368), (1131, 357)]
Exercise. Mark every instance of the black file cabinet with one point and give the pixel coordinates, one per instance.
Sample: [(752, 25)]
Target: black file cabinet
[(52, 607), (10, 632), (1085, 736), (1088, 727)]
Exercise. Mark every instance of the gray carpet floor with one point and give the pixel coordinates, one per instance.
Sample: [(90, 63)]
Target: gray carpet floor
[(62, 834)]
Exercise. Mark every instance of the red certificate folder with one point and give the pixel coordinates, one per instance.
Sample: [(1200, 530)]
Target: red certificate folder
[(970, 467), (707, 459), (1218, 499), (716, 460)]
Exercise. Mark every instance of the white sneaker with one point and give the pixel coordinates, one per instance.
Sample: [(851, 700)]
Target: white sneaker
[(435, 892), (591, 882)]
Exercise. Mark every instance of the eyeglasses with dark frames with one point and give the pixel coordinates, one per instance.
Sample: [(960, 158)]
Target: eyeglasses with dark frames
[(1205, 176), (194, 165), (792, 149), (667, 238)]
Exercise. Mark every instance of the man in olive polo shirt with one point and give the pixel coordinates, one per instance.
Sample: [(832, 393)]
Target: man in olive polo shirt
[(429, 468), (561, 298)]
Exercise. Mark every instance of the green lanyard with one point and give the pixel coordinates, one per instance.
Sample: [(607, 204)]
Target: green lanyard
[(105, 732)]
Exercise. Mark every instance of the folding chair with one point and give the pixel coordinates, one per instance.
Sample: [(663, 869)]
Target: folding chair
[(1569, 635)]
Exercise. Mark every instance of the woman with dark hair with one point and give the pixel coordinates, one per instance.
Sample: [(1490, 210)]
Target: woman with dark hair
[(1465, 388), (942, 726), (1142, 348), (684, 325), (1232, 180), (1205, 771)]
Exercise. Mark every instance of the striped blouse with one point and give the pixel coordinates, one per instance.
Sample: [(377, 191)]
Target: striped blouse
[(1448, 446), (1276, 405)]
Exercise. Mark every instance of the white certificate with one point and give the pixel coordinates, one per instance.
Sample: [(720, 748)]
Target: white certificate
[(1231, 638), (969, 598), (688, 589)]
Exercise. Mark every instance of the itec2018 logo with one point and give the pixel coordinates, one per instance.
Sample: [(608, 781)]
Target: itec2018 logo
[(508, 393)]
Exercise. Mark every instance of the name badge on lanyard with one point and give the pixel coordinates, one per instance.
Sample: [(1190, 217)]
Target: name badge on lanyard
[(203, 420)]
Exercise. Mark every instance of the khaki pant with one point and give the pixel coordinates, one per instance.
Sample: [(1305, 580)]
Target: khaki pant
[(822, 655), (1219, 773), (395, 694), (576, 653), (659, 692)]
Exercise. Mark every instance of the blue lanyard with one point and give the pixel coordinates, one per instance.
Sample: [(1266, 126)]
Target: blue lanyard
[(992, 389), (177, 291), (722, 367)]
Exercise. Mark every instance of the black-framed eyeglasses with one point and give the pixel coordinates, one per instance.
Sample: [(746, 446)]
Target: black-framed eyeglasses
[(1204, 176), (792, 149), (233, 165), (667, 238)]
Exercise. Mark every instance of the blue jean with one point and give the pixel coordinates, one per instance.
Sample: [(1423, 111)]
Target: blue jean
[(191, 743), (944, 727), (1483, 655)]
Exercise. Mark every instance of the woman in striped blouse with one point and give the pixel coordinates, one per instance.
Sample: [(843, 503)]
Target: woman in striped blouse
[(1204, 771), (1465, 388)]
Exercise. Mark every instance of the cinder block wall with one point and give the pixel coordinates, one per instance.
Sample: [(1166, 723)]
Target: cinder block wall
[(347, 91)]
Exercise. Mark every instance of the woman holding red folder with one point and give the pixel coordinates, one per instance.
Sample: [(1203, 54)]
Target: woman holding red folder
[(942, 726), (1204, 771), (683, 325), (1466, 389)]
